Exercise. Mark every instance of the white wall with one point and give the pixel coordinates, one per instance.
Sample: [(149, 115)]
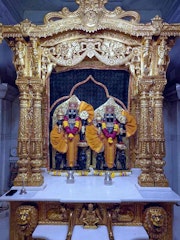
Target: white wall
[(7, 95), (172, 137)]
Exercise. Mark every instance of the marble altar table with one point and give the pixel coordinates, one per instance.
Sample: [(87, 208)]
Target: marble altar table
[(124, 203)]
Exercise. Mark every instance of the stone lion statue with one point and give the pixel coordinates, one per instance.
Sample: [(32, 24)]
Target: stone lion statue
[(26, 219), (155, 222)]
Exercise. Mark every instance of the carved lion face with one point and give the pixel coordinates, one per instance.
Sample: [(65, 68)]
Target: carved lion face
[(23, 218), (26, 219), (155, 222), (157, 217)]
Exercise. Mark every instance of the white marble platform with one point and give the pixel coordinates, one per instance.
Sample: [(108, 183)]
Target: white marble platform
[(90, 234), (93, 189), (130, 233), (51, 232), (57, 232)]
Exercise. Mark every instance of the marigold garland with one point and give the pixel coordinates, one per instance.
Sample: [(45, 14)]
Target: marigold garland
[(74, 130), (110, 136)]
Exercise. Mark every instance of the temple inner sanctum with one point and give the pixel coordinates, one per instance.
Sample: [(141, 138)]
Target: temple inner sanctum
[(91, 141)]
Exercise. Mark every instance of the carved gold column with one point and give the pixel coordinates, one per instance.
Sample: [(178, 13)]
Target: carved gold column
[(45, 126), (135, 138), (145, 178), (36, 145), (24, 135), (158, 143)]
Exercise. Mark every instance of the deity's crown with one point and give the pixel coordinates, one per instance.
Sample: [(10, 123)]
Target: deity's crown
[(110, 109), (73, 105)]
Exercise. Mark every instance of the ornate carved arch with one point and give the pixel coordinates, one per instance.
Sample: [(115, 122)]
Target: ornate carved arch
[(90, 35)]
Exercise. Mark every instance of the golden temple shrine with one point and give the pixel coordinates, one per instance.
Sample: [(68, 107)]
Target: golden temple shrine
[(91, 141)]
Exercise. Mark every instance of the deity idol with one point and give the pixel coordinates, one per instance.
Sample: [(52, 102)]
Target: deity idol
[(70, 130), (107, 136)]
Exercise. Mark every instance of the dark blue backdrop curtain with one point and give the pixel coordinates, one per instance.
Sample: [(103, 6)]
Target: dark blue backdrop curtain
[(116, 81)]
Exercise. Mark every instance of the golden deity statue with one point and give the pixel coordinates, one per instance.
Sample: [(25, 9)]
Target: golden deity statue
[(90, 216)]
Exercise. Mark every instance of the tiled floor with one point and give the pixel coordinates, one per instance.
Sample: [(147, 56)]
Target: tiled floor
[(4, 224)]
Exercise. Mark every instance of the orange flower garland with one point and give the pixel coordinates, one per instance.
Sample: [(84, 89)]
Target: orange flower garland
[(112, 135), (74, 130)]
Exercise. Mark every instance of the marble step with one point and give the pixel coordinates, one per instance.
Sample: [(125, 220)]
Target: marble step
[(59, 232)]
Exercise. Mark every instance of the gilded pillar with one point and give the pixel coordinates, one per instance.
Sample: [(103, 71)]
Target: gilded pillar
[(36, 145), (145, 179), (24, 135), (158, 140), (135, 144), (45, 127)]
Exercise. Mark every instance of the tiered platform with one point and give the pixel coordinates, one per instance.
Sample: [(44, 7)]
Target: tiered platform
[(122, 207)]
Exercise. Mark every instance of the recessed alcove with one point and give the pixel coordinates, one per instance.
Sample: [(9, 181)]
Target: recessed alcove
[(90, 85)]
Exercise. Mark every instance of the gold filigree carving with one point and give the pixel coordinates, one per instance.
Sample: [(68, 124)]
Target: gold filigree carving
[(80, 39), (72, 52), (26, 57), (155, 222), (25, 27), (157, 219), (158, 145), (57, 214), (19, 58), (35, 63), (90, 216), (146, 56), (26, 220), (122, 214), (24, 131), (145, 178), (163, 57), (91, 16), (36, 150), (157, 23)]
